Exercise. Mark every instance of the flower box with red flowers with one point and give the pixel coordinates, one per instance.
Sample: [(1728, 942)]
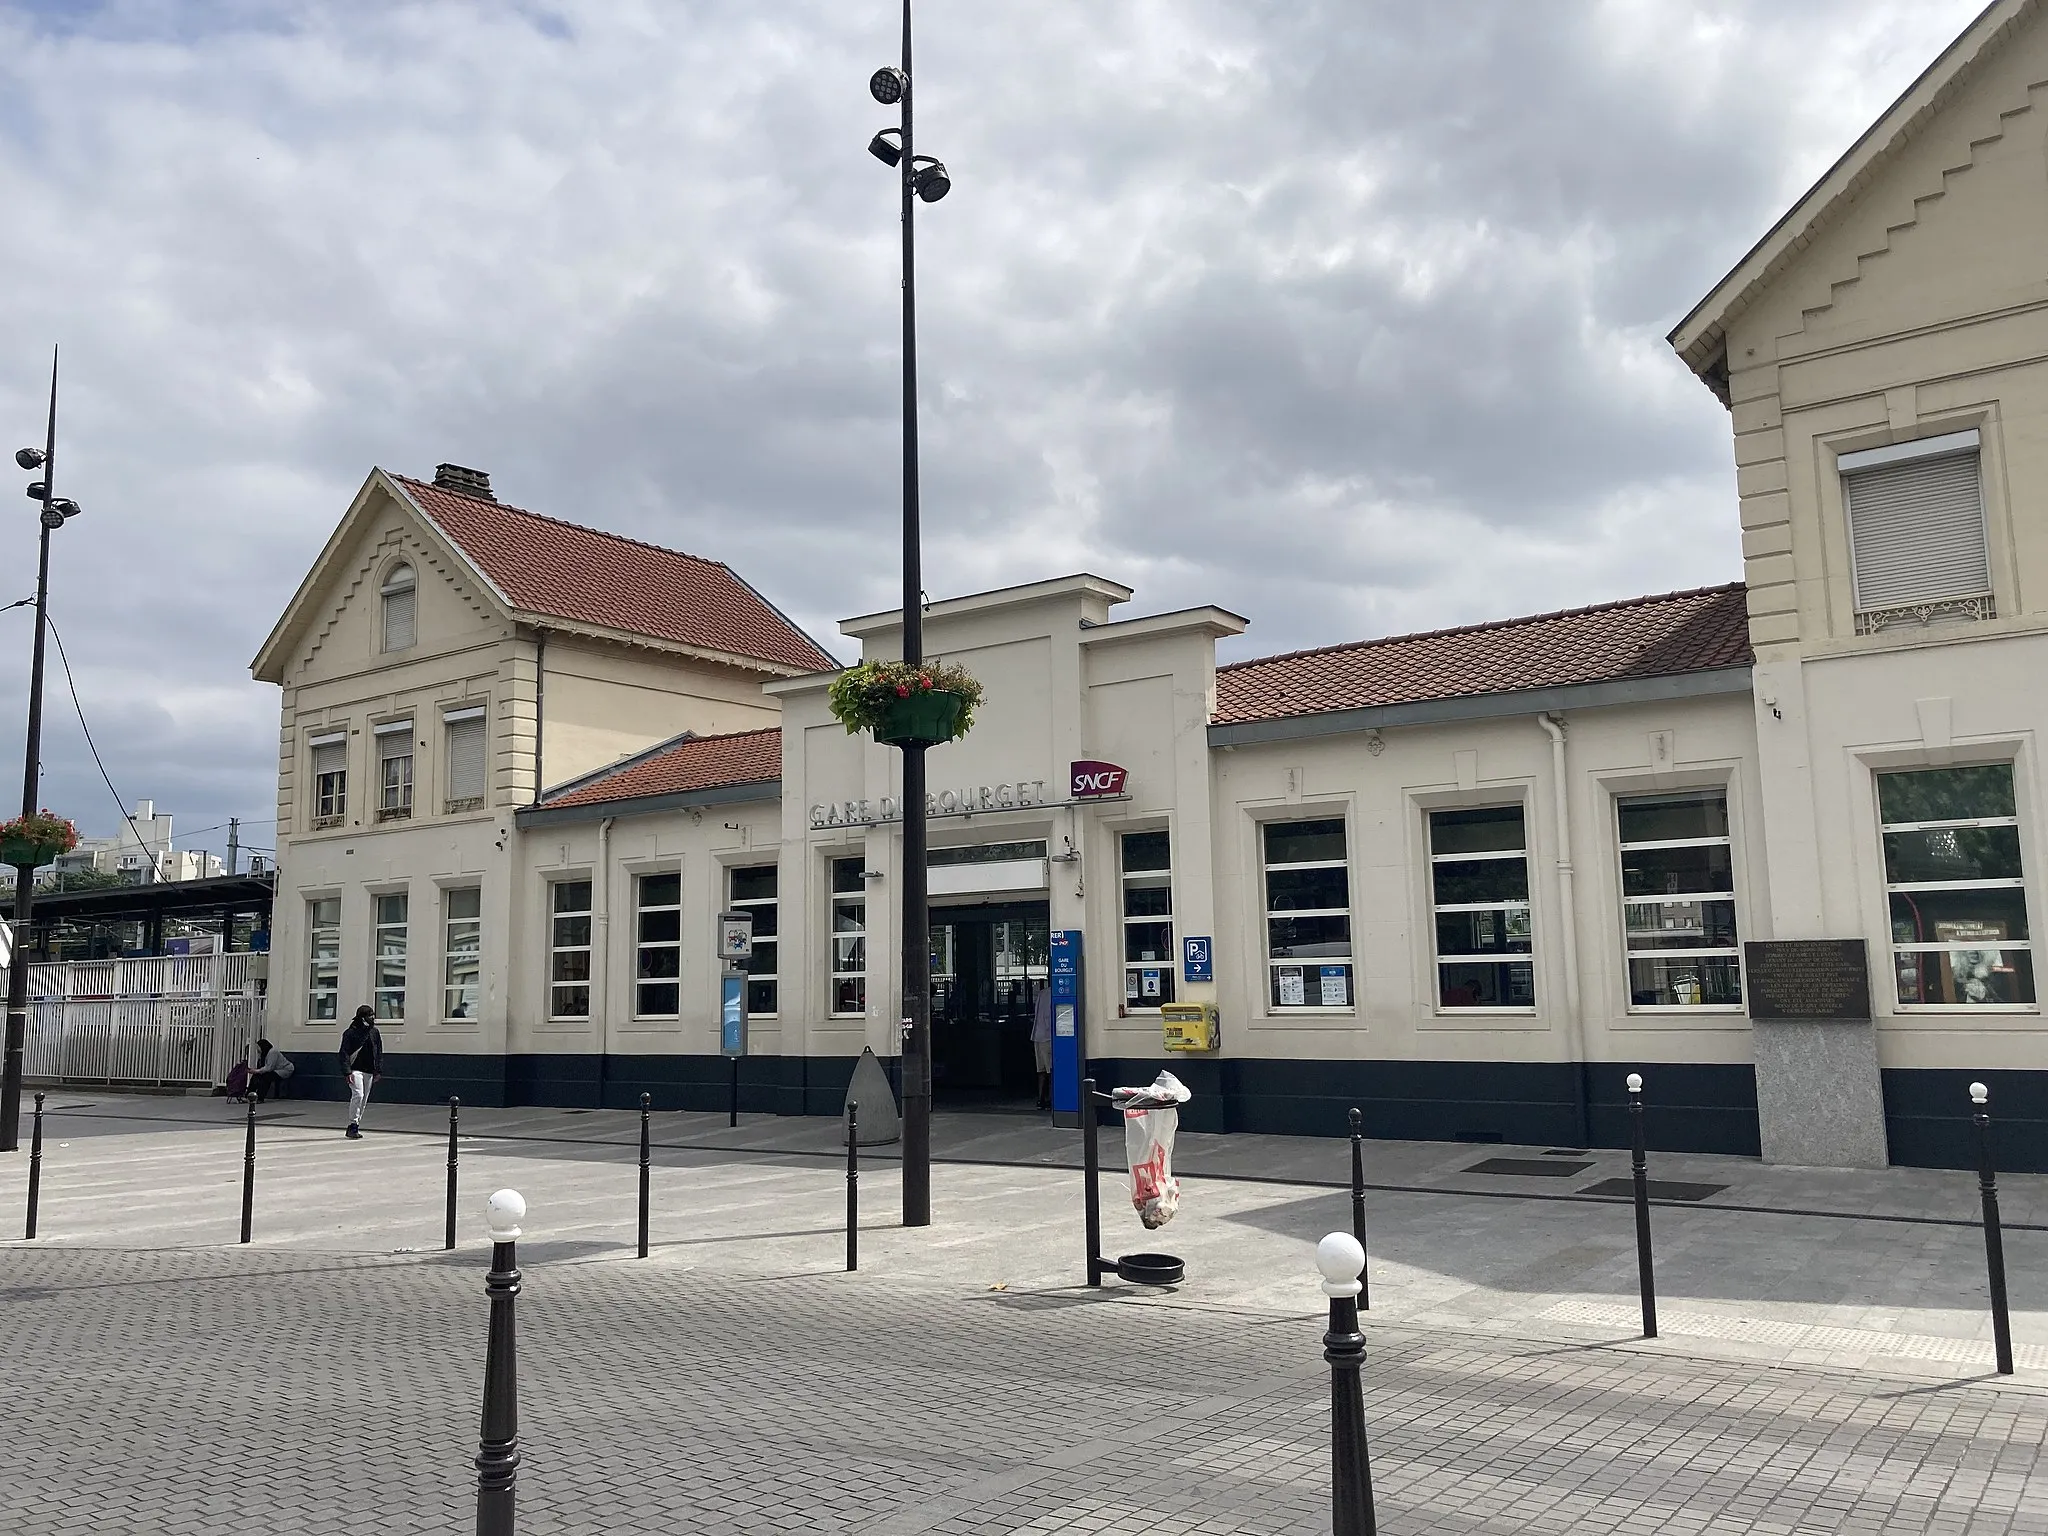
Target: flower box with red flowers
[(27, 842), (901, 704)]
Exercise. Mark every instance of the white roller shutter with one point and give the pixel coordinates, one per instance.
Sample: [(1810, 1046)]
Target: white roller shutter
[(330, 756), (400, 604), (1916, 532), (466, 758)]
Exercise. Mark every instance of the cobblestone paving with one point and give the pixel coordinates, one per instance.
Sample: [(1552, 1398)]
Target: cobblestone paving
[(212, 1390)]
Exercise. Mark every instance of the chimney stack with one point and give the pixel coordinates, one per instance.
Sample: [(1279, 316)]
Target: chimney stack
[(464, 482)]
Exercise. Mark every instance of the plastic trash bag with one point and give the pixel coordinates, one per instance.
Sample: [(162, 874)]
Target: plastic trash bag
[(1151, 1116)]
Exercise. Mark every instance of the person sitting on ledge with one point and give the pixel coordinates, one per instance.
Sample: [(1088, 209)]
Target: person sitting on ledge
[(272, 1068)]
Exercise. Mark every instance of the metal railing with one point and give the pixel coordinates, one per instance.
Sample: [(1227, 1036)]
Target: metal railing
[(169, 1021)]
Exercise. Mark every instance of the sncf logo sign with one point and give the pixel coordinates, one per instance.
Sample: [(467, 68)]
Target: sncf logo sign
[(1089, 778)]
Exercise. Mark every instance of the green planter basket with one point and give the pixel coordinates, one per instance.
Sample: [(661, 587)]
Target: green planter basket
[(928, 716), (21, 853)]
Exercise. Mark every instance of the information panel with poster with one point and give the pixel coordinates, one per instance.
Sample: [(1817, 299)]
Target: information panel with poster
[(1069, 1032)]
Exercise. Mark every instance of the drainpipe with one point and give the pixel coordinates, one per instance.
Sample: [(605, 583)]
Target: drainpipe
[(540, 693), (601, 949), (1568, 918)]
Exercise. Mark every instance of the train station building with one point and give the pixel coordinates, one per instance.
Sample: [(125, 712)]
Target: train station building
[(1772, 844)]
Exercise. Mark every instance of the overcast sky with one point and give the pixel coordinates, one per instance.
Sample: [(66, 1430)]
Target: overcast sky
[(1345, 314)]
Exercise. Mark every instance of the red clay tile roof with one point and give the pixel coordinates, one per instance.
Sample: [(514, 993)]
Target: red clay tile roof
[(693, 762), (1677, 632), (570, 572)]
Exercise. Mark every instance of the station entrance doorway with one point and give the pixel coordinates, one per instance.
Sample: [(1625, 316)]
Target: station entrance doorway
[(988, 964)]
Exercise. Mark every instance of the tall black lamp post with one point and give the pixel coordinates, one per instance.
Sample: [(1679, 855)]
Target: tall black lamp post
[(55, 514), (921, 177)]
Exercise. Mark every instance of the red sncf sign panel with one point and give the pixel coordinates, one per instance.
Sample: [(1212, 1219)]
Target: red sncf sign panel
[(1088, 778)]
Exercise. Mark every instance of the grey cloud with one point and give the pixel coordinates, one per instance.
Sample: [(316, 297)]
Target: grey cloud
[(1345, 315)]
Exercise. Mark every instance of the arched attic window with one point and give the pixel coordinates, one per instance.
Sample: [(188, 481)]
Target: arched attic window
[(400, 608)]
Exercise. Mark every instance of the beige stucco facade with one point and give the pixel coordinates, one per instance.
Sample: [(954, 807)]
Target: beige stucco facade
[(1904, 302)]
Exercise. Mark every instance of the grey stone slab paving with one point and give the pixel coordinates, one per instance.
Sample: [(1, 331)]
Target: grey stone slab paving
[(1815, 1376), (659, 1396)]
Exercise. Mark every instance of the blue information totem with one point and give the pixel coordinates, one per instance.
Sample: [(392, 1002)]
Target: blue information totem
[(1069, 1030)]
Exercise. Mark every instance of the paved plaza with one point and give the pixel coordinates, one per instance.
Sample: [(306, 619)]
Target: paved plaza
[(1817, 1373)]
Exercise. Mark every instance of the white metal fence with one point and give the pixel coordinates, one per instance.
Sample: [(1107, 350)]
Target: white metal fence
[(177, 1020)]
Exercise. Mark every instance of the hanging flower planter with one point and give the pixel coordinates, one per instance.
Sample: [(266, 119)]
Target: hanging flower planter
[(28, 842), (902, 705)]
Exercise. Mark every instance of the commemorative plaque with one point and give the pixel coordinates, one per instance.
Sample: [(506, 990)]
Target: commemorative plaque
[(1816, 979)]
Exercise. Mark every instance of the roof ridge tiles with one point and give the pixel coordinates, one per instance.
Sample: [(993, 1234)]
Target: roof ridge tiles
[(1518, 622)]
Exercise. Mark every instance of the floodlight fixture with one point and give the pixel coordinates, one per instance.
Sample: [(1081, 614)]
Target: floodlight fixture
[(36, 490), (888, 85), (930, 181), (883, 146), (29, 458)]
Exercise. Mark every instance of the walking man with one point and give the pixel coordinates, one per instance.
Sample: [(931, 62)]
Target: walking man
[(362, 1058)]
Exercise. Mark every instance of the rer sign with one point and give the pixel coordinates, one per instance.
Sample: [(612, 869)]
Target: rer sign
[(1089, 779)]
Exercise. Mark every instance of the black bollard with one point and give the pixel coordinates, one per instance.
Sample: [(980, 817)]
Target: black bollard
[(733, 1115), (249, 1175), (1358, 1205), (1091, 1167), (1342, 1262), (1640, 1162), (454, 1107), (852, 1186), (1994, 1235), (497, 1457), (35, 1168), (646, 1158)]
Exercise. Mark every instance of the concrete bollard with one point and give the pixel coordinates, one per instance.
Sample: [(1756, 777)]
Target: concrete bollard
[(1342, 1261), (497, 1457)]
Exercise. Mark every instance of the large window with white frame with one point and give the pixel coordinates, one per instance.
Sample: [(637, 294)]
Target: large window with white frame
[(752, 890), (1308, 914), (461, 951), (849, 979), (388, 946), (1678, 901), (323, 958), (569, 949), (658, 946), (394, 770), (330, 779), (1146, 860), (1919, 550), (1954, 883), (1479, 888)]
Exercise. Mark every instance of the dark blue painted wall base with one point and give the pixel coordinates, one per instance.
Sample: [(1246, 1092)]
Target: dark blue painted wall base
[(1688, 1107), (1927, 1115), (769, 1085)]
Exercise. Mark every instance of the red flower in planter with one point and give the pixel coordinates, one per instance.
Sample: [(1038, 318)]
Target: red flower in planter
[(902, 692)]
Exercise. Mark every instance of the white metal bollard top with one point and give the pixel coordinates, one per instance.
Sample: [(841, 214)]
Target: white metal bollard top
[(1635, 1082), (1342, 1261), (1979, 1094), (507, 1208)]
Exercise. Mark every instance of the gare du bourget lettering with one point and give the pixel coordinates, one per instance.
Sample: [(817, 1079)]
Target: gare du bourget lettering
[(1088, 780)]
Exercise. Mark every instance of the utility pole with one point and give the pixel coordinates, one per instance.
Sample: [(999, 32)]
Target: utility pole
[(234, 844)]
